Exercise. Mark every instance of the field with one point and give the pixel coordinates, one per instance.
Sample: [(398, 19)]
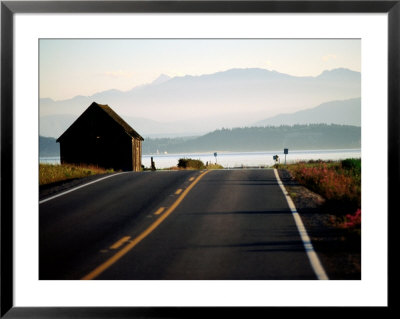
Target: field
[(339, 184), (51, 173)]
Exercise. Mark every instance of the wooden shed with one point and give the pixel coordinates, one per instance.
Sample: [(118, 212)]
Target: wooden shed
[(101, 137)]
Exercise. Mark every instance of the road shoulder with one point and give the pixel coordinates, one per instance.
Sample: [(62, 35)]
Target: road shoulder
[(48, 190), (339, 253)]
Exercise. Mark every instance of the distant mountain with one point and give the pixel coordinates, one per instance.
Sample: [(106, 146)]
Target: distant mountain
[(48, 147), (296, 137), (236, 97), (55, 125), (347, 112), (161, 79)]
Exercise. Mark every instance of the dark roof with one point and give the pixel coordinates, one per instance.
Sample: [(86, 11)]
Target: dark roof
[(127, 128)]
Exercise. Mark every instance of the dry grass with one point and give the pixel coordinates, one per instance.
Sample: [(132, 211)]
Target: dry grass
[(339, 183), (51, 173), (214, 166), (334, 180)]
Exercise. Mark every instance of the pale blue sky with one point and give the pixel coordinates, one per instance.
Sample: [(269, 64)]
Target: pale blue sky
[(83, 67)]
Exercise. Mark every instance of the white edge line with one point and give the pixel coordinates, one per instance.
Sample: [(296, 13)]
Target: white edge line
[(312, 255), (74, 189)]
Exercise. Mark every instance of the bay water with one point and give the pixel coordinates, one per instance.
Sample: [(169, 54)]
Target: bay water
[(240, 159)]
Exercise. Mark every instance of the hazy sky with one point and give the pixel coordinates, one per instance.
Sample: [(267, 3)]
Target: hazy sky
[(83, 67)]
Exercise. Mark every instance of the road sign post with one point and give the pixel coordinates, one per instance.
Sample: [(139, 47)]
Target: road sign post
[(285, 151), (215, 155)]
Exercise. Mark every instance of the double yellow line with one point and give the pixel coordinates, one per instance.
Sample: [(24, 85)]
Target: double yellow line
[(100, 269)]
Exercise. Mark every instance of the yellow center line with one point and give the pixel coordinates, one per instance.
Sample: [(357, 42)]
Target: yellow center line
[(108, 263), (159, 211), (178, 191), (120, 242), (190, 179)]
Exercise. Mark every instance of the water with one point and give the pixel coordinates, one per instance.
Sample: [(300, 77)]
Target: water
[(49, 160), (240, 159), (251, 159)]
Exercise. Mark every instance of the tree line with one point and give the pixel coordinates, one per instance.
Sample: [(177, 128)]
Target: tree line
[(312, 136), (247, 139)]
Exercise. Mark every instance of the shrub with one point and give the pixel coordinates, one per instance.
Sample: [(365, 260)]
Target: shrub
[(353, 220), (188, 163), (352, 167), (350, 222), (352, 164)]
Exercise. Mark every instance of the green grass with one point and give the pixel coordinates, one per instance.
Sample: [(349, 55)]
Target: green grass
[(51, 173)]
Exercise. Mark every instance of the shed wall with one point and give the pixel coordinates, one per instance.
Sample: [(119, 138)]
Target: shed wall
[(96, 139)]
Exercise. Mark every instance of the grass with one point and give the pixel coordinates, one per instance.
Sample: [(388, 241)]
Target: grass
[(333, 217), (51, 173), (338, 182), (214, 166)]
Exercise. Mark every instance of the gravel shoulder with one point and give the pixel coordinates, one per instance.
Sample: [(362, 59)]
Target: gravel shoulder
[(338, 249)]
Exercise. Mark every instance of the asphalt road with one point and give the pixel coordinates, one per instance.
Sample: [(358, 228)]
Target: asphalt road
[(178, 225)]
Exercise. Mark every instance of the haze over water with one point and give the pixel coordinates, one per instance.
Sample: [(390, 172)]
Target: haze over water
[(240, 159)]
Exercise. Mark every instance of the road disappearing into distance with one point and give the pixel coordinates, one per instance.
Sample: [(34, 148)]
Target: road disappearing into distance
[(175, 225)]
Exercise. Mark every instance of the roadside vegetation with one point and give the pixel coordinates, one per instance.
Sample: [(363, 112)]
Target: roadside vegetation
[(338, 182), (214, 166), (51, 173), (189, 163)]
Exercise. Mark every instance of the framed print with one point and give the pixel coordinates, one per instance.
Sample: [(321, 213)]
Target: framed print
[(232, 100)]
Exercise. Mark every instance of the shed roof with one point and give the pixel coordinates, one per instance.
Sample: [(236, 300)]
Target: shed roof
[(110, 112), (128, 129)]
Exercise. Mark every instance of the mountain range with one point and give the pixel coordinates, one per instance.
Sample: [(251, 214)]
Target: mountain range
[(195, 105), (346, 112)]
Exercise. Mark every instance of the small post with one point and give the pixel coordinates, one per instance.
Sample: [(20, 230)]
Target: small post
[(285, 151), (153, 165)]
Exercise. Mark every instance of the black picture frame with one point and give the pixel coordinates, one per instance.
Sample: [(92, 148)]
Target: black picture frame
[(9, 8)]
